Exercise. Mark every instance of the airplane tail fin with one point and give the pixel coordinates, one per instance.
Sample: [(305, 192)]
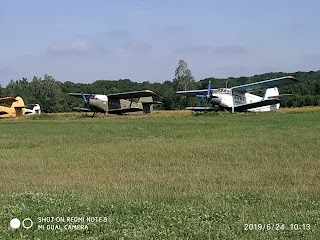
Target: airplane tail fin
[(18, 105), (272, 93), (147, 104)]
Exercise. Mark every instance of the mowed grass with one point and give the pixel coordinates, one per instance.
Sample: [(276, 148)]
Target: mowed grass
[(171, 175)]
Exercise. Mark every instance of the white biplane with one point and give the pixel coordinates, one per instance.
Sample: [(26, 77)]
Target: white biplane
[(241, 98)]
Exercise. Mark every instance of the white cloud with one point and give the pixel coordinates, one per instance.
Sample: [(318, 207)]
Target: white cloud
[(212, 50), (118, 34), (78, 47)]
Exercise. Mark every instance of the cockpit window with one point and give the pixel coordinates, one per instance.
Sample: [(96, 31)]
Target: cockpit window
[(224, 90)]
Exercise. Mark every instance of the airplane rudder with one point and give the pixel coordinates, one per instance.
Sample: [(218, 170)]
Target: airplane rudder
[(271, 92), (18, 105), (146, 99), (21, 102)]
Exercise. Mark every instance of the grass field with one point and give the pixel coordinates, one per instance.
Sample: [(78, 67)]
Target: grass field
[(168, 175)]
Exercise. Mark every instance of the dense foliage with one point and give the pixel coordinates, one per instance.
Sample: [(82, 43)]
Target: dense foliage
[(52, 94)]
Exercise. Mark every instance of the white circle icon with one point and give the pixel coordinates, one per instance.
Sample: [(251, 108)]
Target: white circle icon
[(27, 223), (15, 223)]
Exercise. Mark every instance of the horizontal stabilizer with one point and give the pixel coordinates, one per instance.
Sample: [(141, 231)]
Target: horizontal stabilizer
[(281, 96), (153, 102)]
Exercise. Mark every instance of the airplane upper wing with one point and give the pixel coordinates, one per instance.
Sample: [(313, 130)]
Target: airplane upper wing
[(265, 84), (124, 95), (80, 94), (7, 100), (195, 92), (135, 94)]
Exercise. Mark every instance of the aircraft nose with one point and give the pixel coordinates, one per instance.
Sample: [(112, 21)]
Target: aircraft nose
[(215, 99)]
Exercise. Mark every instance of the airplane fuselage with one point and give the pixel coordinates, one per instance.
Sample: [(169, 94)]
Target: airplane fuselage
[(102, 104)]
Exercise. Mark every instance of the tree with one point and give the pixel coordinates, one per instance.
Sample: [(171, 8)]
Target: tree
[(183, 77), (47, 92), (183, 80), (52, 95)]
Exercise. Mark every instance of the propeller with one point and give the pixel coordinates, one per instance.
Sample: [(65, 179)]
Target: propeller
[(207, 97), (209, 93), (85, 99)]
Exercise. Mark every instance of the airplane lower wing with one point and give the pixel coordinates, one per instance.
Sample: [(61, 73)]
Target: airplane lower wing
[(244, 107), (3, 112), (81, 109), (124, 110), (201, 109)]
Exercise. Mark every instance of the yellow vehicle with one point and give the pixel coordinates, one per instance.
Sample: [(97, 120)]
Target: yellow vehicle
[(11, 107)]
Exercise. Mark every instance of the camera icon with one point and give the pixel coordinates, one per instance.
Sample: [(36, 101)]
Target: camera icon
[(26, 223)]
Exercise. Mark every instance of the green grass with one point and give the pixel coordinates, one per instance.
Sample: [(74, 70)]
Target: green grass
[(179, 176)]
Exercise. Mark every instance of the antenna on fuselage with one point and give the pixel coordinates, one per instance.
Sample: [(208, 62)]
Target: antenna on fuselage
[(226, 83)]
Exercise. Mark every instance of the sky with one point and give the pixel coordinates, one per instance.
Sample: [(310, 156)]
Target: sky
[(83, 41)]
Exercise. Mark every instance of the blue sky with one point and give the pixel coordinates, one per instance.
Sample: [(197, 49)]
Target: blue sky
[(82, 41)]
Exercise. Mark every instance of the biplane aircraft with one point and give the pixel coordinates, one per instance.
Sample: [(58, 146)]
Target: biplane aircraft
[(14, 107), (117, 103), (31, 109), (241, 98)]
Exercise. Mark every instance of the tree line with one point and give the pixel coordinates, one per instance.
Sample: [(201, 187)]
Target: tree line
[(52, 95)]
